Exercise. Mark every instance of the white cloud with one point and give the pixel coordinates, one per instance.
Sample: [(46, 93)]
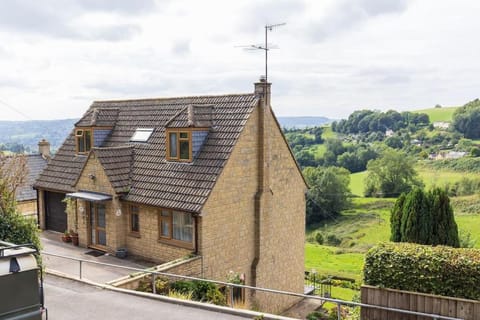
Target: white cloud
[(334, 55)]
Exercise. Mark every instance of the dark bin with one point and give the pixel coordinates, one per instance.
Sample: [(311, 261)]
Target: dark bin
[(121, 253), (20, 292)]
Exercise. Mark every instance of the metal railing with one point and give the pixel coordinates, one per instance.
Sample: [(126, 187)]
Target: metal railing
[(338, 302)]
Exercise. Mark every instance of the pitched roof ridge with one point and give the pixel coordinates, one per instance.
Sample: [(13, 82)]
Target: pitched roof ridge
[(175, 98)]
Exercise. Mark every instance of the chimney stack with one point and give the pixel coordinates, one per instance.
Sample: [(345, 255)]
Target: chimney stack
[(44, 148), (260, 87)]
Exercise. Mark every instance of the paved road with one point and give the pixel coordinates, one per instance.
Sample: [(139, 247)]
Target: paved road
[(73, 300)]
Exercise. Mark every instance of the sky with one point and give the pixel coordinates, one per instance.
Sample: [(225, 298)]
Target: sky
[(332, 57)]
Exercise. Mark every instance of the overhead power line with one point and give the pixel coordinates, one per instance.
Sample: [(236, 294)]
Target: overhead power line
[(15, 110)]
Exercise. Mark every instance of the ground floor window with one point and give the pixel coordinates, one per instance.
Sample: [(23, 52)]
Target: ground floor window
[(176, 226), (134, 219)]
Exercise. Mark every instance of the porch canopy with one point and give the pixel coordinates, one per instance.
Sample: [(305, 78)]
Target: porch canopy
[(90, 196)]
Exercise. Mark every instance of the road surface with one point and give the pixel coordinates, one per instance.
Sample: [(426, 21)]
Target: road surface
[(73, 300)]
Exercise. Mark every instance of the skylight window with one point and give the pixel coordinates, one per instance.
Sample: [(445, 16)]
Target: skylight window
[(141, 135)]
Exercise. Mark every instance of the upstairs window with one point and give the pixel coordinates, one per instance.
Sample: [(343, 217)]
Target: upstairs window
[(141, 135), (179, 145), (83, 138)]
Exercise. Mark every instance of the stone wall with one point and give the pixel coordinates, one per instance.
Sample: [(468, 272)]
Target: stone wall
[(281, 264), (185, 267), (28, 208), (227, 221), (147, 244)]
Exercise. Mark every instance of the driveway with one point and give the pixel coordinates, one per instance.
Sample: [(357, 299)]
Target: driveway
[(73, 300), (100, 274)]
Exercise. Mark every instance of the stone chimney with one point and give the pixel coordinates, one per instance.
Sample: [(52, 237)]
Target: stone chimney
[(44, 148), (260, 88)]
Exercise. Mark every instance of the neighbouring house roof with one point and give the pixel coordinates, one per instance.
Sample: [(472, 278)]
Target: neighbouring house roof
[(35, 164), (141, 169)]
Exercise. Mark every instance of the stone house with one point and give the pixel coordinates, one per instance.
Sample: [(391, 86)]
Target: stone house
[(25, 195), (206, 176)]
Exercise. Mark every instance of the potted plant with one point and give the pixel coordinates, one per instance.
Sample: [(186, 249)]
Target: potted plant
[(66, 236), (74, 236)]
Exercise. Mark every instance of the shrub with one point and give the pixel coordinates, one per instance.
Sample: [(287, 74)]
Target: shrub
[(200, 291), (333, 240), (435, 270), (18, 229), (319, 238)]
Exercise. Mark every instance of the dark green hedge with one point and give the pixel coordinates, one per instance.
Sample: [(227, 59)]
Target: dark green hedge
[(437, 270)]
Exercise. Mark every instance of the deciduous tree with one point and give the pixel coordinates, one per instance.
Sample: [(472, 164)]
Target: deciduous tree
[(329, 192), (391, 174)]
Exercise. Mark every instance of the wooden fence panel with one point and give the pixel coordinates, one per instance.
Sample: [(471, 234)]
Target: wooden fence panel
[(414, 301)]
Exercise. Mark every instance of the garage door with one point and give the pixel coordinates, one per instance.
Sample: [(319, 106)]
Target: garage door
[(56, 218)]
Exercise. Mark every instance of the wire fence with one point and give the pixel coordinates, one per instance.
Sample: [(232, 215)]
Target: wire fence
[(82, 263)]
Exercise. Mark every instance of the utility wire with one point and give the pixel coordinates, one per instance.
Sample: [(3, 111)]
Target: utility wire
[(15, 110)]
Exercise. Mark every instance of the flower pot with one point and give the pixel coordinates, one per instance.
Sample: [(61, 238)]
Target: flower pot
[(66, 238), (74, 239)]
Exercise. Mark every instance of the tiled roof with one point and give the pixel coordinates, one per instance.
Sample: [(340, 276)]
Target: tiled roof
[(153, 180), (35, 164), (117, 163)]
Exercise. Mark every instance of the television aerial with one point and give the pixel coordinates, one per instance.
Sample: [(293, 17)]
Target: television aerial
[(266, 46)]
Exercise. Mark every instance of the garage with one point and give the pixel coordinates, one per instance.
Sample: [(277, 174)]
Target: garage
[(55, 216)]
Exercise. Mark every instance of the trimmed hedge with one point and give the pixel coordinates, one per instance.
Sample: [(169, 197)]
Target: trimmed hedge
[(437, 270)]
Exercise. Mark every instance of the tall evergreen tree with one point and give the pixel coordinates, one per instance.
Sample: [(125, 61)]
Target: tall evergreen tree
[(425, 218), (396, 219)]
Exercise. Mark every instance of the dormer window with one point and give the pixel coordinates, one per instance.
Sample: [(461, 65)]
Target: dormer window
[(141, 135), (179, 145), (83, 138)]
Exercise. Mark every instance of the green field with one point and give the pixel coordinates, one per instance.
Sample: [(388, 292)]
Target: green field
[(357, 181), (429, 177), (368, 223), (439, 114), (328, 133)]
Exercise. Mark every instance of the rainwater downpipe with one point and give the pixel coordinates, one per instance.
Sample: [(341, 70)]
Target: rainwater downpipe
[(259, 194)]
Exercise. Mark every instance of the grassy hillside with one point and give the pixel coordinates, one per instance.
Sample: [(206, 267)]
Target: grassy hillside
[(439, 114), (368, 223)]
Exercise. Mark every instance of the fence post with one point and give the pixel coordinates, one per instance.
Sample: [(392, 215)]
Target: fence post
[(230, 289), (80, 269), (339, 311), (154, 288)]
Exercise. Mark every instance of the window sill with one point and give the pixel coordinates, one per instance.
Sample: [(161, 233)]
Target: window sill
[(134, 234), (177, 243)]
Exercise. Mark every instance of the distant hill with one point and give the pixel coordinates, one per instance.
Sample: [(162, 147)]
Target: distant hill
[(443, 114), (302, 122), (29, 133)]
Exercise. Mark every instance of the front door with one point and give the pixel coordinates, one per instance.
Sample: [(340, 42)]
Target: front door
[(97, 226)]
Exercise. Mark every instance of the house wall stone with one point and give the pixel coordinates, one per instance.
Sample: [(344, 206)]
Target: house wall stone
[(28, 208), (281, 264), (227, 222), (144, 244), (147, 244)]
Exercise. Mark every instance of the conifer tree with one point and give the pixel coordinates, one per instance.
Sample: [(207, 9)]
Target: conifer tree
[(425, 218)]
